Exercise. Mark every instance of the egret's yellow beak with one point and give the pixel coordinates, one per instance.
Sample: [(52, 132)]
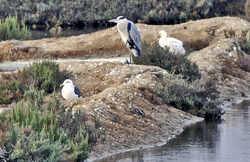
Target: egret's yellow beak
[(61, 85), (155, 41)]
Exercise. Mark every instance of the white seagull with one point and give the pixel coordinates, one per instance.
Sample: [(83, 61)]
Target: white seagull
[(69, 91), (175, 46), (129, 34)]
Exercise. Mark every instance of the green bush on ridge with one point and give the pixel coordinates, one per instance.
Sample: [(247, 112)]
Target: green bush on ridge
[(200, 98), (183, 87), (176, 64), (44, 75)]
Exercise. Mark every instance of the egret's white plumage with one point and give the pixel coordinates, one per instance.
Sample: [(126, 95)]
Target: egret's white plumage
[(129, 34), (175, 46), (69, 91)]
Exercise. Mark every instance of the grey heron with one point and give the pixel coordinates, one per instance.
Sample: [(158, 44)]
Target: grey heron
[(70, 92), (175, 46), (129, 34)]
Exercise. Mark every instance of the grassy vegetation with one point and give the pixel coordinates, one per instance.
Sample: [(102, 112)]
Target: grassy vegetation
[(10, 29), (44, 75), (244, 41), (200, 98), (183, 88), (39, 129), (56, 31), (244, 62), (44, 132), (96, 13)]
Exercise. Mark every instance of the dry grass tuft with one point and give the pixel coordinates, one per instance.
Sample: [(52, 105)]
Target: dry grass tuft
[(244, 62)]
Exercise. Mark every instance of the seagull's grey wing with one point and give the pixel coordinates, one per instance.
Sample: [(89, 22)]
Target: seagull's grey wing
[(134, 39), (77, 91)]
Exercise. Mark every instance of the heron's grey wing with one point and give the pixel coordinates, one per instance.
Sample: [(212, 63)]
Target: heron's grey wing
[(134, 40), (77, 91)]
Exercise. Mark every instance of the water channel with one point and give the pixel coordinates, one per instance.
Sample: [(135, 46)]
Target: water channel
[(225, 141), (43, 33)]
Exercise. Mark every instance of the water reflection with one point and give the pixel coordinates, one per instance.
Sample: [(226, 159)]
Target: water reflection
[(206, 141), (43, 33)]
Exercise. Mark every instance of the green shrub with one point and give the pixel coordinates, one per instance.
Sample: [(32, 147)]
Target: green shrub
[(183, 88), (34, 146), (200, 97), (45, 132), (96, 13), (35, 97), (10, 29), (176, 64), (56, 31), (4, 100), (44, 75), (229, 33), (11, 91)]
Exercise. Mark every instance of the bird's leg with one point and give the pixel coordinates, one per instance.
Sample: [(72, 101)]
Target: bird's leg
[(71, 106), (130, 58), (68, 107)]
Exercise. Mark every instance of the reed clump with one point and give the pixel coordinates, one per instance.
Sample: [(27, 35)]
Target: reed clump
[(11, 29)]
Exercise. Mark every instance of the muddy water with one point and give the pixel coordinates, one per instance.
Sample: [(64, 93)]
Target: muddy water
[(225, 141)]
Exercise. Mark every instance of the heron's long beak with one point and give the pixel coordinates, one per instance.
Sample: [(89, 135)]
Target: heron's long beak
[(113, 20), (156, 40), (61, 85)]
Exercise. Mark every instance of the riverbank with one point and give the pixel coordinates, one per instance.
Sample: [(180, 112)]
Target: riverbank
[(204, 141)]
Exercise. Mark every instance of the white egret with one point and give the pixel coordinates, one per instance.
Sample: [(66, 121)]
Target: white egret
[(129, 34), (175, 46)]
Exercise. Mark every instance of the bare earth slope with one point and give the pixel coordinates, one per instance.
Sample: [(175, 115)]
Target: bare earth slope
[(107, 43), (131, 116)]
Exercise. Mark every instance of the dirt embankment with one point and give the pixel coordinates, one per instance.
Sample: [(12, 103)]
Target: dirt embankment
[(107, 43), (118, 93), (131, 116)]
